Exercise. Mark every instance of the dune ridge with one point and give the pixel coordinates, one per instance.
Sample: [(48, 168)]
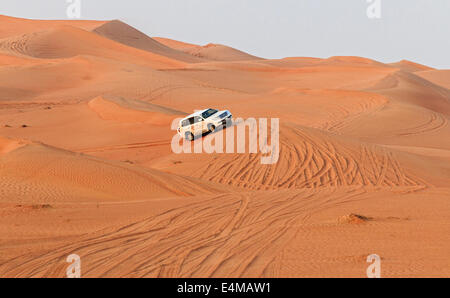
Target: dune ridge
[(66, 41), (8, 145), (410, 66), (127, 35), (39, 173), (12, 26), (215, 52), (122, 110), (438, 77)]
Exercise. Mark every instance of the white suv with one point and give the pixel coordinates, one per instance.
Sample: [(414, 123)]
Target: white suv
[(203, 121)]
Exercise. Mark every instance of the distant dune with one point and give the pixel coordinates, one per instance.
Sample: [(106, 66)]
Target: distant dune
[(175, 44), (125, 34), (68, 41), (348, 60), (438, 77), (87, 165), (409, 66), (210, 51), (17, 26)]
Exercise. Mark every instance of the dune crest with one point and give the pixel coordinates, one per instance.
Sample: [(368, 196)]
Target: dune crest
[(214, 52), (130, 111), (66, 41), (410, 66), (44, 174), (8, 145), (350, 60), (11, 26), (175, 44), (127, 35)]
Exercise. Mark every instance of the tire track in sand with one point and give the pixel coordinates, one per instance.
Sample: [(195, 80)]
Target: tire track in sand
[(310, 160), (234, 235)]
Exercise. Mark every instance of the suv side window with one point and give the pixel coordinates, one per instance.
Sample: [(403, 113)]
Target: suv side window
[(198, 119), (187, 122)]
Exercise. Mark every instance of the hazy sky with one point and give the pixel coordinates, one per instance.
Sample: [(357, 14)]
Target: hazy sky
[(417, 30)]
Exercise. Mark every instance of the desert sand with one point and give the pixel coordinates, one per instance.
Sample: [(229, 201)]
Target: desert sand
[(86, 165)]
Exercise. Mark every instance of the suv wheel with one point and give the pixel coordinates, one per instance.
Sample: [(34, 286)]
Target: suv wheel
[(189, 136), (211, 127)]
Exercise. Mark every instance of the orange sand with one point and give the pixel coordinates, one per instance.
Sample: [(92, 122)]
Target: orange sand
[(86, 165)]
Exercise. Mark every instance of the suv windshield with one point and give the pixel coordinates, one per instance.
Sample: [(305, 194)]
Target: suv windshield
[(209, 113)]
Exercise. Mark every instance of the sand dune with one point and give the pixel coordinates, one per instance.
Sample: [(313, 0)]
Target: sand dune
[(125, 34), (215, 52), (348, 61), (220, 53), (411, 88), (23, 82), (8, 145), (438, 77), (90, 76), (86, 164), (8, 59), (123, 110), (41, 174), (410, 66), (16, 26), (310, 159), (175, 44), (67, 41)]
